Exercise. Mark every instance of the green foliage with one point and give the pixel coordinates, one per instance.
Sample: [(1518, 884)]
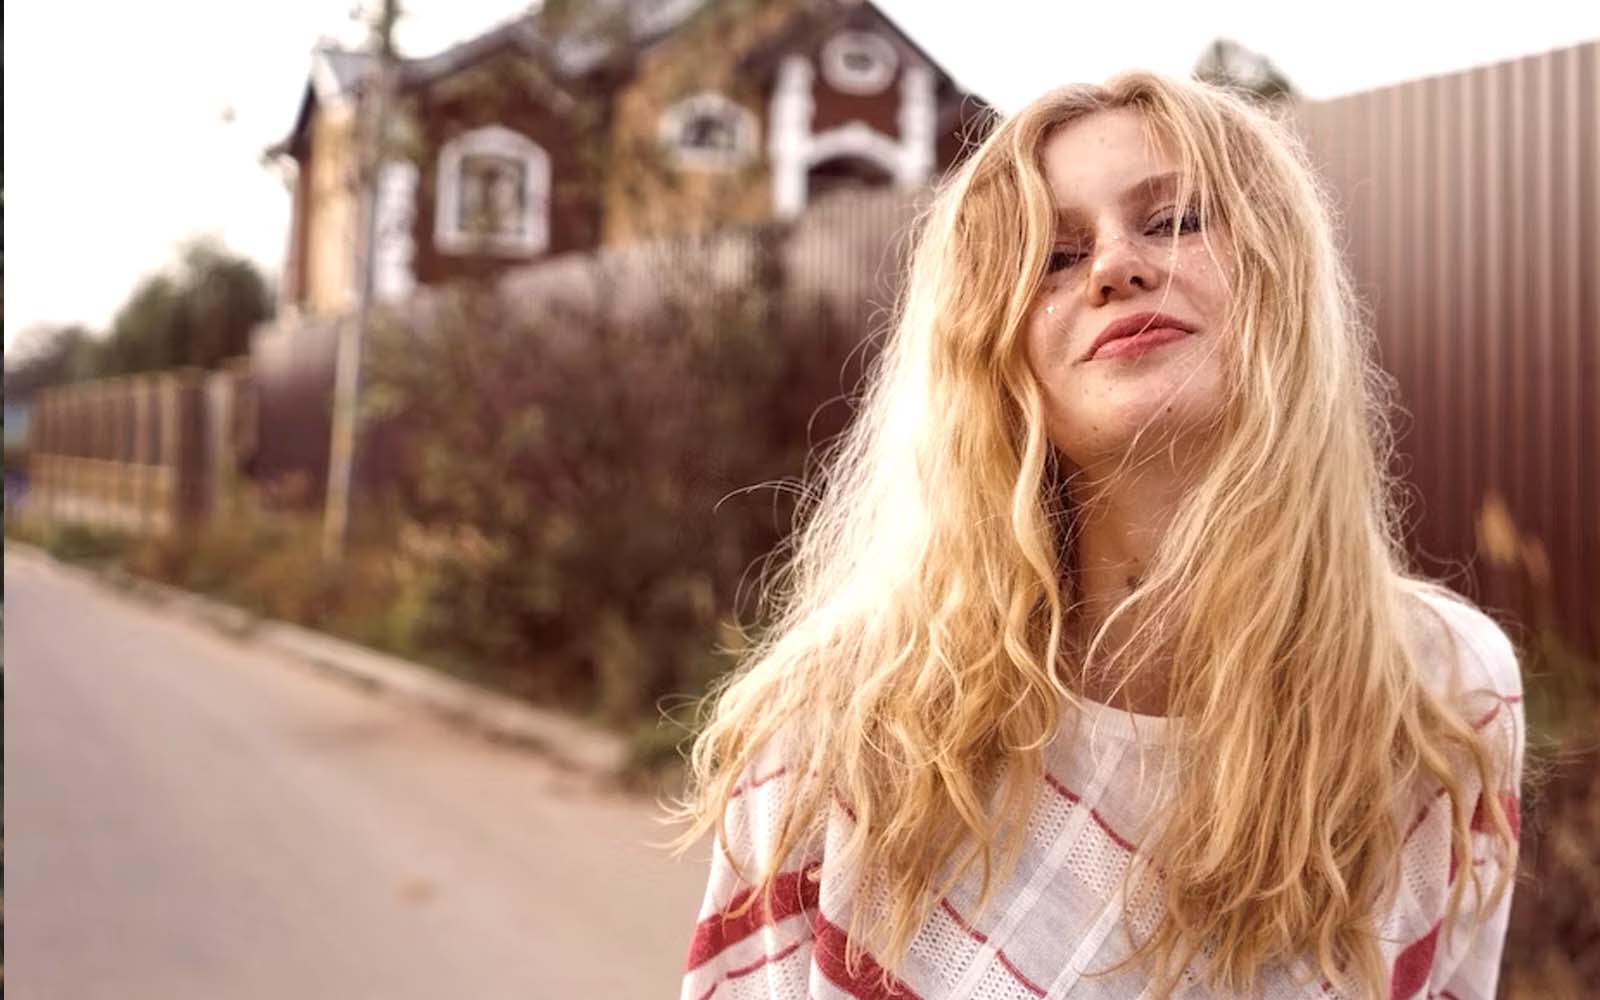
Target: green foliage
[(656, 746), (1555, 919), (81, 543), (201, 316), (1563, 689), (270, 563), (149, 331), (1226, 63), (48, 355)]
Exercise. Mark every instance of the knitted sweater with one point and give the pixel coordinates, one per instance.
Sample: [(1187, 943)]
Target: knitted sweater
[(1059, 918)]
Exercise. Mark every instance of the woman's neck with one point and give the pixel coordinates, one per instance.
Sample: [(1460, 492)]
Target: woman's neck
[(1117, 534)]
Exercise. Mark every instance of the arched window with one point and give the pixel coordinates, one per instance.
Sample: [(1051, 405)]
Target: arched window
[(709, 132), (493, 194), (859, 62)]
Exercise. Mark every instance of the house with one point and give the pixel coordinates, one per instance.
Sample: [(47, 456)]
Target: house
[(639, 120)]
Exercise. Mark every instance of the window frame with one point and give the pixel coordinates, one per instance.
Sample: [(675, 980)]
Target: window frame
[(840, 76), (743, 123), (493, 140)]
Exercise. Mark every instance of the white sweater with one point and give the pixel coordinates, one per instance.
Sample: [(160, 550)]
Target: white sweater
[(1059, 917)]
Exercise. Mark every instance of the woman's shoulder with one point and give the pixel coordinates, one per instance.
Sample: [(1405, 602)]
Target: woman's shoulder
[(762, 821), (1463, 652), (775, 760), (768, 772), (764, 786)]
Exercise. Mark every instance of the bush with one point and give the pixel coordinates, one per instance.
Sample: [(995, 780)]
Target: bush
[(1553, 944), (85, 544), (576, 473)]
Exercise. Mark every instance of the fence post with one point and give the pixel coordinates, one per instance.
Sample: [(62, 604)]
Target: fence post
[(99, 444), (40, 440), (117, 472), (192, 471), (141, 453), (166, 414), (76, 482)]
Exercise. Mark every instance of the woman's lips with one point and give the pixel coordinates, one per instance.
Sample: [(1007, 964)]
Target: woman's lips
[(1139, 343), (1134, 324)]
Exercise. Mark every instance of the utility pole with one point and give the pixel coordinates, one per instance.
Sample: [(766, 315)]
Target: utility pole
[(347, 372)]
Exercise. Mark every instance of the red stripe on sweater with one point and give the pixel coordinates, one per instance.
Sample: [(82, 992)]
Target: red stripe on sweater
[(1505, 699), (842, 804), (753, 966), (981, 938), (756, 783), (1508, 801), (1075, 799), (792, 892), (1422, 813), (763, 960), (1480, 817), (1412, 966), (869, 983)]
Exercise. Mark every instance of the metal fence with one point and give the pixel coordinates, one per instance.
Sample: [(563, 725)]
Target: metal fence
[(1471, 207)]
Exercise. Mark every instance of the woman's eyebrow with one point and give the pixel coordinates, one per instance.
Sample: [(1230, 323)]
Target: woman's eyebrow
[(1151, 186)]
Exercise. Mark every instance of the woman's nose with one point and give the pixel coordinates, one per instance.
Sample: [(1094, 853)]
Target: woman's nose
[(1120, 271)]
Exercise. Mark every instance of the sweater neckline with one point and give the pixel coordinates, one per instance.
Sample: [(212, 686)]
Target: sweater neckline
[(1099, 720)]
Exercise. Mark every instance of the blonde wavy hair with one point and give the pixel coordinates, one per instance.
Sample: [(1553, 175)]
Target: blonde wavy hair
[(914, 664)]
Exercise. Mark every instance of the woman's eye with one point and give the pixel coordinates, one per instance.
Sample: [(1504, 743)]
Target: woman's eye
[(1189, 222), (1061, 259)]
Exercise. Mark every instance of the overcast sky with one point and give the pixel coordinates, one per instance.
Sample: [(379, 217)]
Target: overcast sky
[(133, 127)]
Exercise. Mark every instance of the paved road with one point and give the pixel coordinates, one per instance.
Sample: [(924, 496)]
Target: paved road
[(186, 817)]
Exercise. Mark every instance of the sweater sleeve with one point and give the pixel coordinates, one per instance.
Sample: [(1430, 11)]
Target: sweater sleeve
[(1468, 964), (765, 950)]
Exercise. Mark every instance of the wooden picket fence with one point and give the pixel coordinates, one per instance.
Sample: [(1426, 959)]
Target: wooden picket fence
[(149, 453)]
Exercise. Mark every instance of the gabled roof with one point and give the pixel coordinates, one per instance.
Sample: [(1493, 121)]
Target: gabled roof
[(338, 74), (811, 26), (519, 33)]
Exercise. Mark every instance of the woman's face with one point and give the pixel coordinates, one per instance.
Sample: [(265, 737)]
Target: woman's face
[(1112, 259)]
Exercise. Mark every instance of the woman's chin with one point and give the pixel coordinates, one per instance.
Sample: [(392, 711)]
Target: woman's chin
[(1141, 423)]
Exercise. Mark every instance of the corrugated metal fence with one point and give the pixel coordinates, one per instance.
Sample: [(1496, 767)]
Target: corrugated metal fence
[(1472, 209)]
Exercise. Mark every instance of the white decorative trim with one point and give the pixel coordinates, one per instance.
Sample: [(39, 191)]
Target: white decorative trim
[(392, 275), (795, 150), (792, 109), (493, 140), (740, 121), (918, 123), (871, 79), (856, 139)]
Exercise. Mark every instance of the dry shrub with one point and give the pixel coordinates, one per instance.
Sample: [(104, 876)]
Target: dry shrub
[(578, 467)]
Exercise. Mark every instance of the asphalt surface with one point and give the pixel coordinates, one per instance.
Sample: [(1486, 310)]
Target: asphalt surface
[(188, 817)]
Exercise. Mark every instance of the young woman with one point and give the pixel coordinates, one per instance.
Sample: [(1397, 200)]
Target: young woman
[(1097, 670)]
